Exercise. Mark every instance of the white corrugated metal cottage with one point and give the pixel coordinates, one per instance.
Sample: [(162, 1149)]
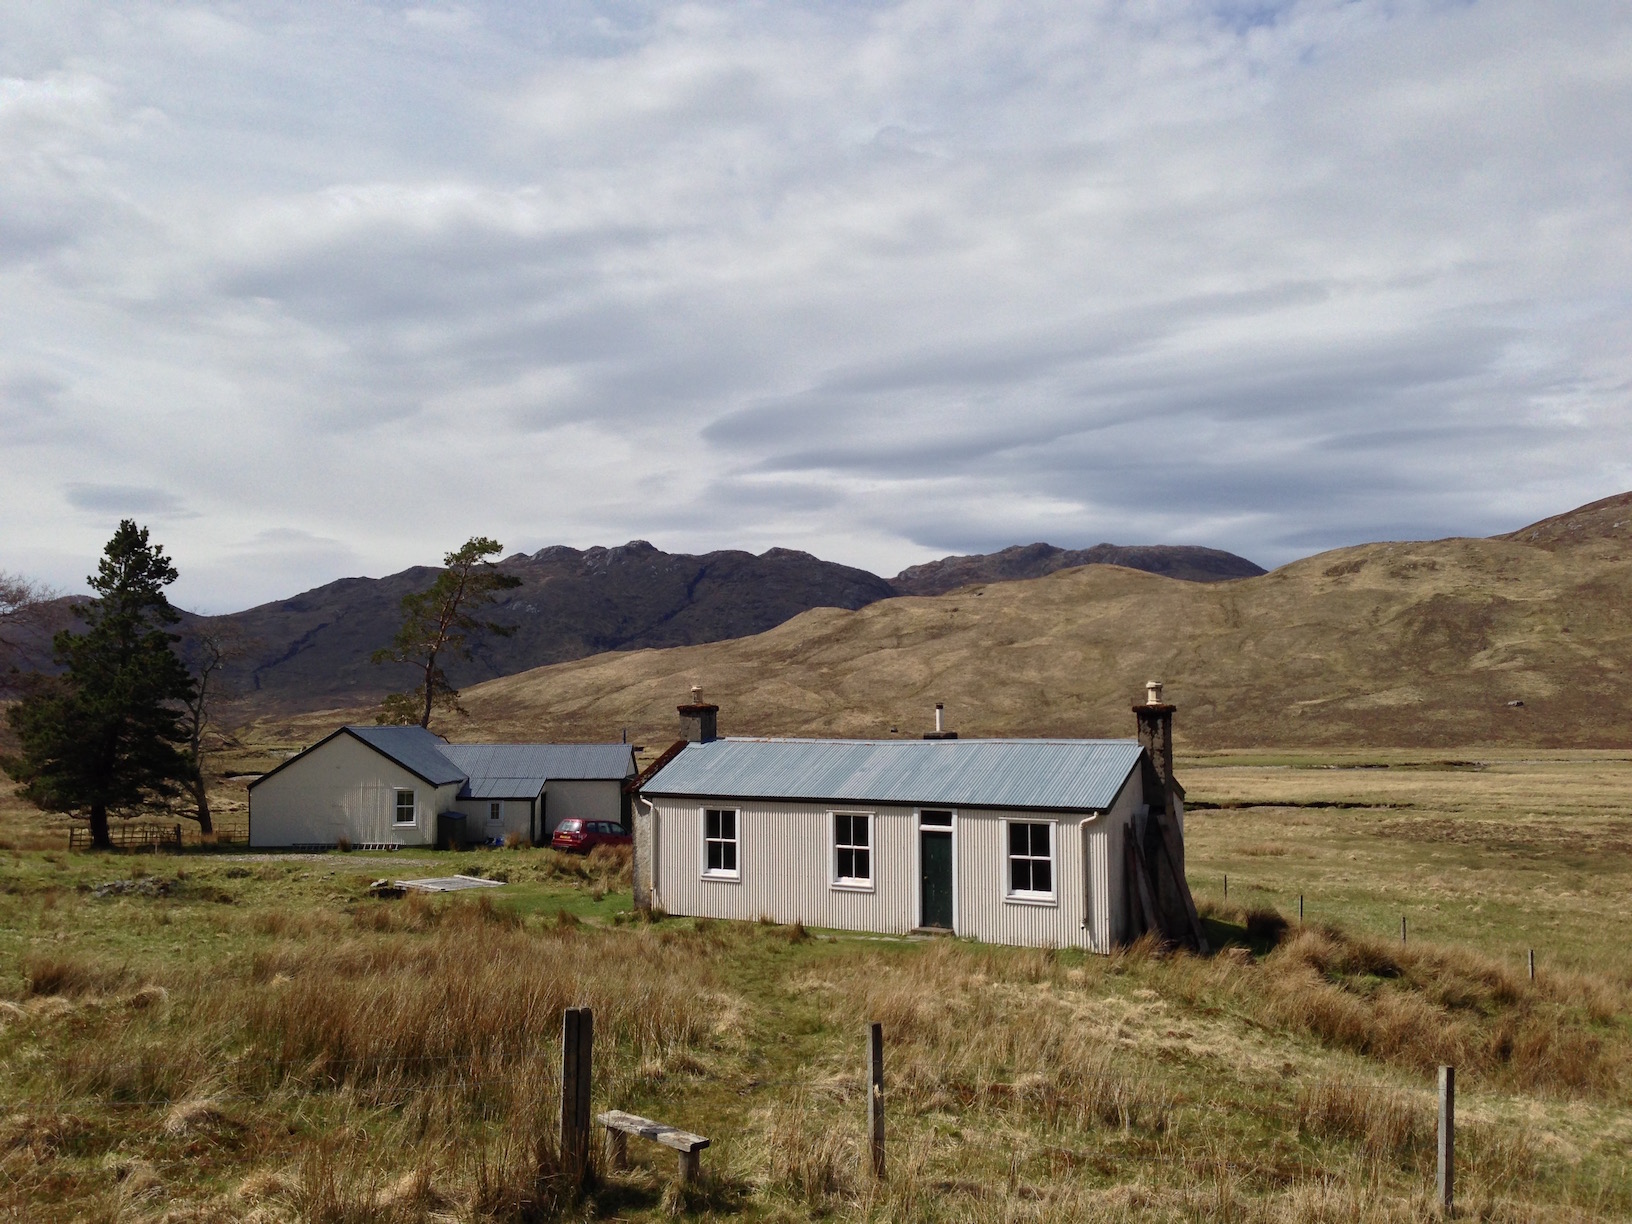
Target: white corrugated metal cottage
[(387, 786), (1051, 843)]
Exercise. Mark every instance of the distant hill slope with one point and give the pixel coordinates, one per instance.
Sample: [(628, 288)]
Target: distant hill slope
[(1417, 645), (1599, 522), (313, 650), (1038, 560)]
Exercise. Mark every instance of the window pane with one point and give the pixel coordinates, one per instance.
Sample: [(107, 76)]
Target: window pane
[(847, 864), (1018, 842), (716, 856), (841, 829), (1041, 877), (943, 819), (728, 856), (1019, 875), (728, 825), (858, 831), (864, 865), (711, 823), (1039, 840)]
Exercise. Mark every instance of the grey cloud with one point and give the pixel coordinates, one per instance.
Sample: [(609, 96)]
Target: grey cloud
[(870, 280), (124, 500)]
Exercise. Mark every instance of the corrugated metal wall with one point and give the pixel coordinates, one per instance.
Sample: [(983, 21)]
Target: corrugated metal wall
[(786, 873)]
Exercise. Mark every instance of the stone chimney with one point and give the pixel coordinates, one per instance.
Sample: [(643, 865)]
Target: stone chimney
[(1155, 722), (699, 722), (940, 732)]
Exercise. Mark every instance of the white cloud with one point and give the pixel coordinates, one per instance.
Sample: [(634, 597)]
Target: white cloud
[(877, 281)]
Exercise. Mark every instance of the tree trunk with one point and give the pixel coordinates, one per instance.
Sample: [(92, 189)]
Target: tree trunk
[(430, 676), (201, 797), (99, 828)]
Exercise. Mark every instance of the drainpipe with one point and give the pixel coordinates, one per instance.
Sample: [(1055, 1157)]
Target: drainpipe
[(647, 898)]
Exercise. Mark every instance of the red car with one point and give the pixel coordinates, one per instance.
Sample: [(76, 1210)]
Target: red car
[(582, 836)]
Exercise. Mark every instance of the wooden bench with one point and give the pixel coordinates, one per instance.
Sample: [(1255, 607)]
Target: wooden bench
[(620, 1125)]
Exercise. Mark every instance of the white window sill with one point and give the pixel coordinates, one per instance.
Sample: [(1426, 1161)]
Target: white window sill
[(1048, 902), (861, 886), (722, 877), (403, 824)]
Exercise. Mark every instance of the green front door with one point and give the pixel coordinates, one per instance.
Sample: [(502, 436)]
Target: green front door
[(935, 877)]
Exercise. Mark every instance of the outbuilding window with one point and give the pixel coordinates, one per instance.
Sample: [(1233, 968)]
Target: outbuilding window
[(1031, 860), (407, 809), (720, 842), (852, 849)]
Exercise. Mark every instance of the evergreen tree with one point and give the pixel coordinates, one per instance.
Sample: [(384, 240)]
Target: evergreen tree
[(438, 622), (106, 737)]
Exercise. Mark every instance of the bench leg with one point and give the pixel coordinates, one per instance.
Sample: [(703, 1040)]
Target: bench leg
[(617, 1149), (691, 1167)]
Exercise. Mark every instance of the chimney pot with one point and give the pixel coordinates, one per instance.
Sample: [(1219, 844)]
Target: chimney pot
[(1153, 692)]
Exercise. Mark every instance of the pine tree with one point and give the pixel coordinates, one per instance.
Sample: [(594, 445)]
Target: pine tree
[(438, 622), (106, 737)]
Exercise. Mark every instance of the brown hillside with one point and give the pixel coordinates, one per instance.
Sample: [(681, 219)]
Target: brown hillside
[(1417, 644), (1606, 521)]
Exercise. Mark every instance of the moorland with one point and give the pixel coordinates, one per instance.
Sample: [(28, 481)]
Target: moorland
[(216, 1035), (224, 1036)]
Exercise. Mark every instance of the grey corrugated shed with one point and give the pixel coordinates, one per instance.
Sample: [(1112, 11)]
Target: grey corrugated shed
[(415, 749), (519, 771), (1072, 775)]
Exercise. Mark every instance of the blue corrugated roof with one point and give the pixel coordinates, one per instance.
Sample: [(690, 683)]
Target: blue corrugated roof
[(1073, 775), (517, 771), (415, 749)]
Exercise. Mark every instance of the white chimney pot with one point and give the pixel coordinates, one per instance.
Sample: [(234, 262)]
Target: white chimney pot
[(1153, 692)]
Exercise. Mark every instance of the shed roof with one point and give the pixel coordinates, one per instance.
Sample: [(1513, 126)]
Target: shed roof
[(1069, 775), (518, 771)]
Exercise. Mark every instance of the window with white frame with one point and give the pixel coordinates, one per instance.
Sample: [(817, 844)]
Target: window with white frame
[(1031, 860), (852, 848), (407, 808), (495, 812), (719, 842)]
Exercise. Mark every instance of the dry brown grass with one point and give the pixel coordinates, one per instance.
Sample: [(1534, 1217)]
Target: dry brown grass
[(71, 976), (1386, 1123), (1420, 1006)]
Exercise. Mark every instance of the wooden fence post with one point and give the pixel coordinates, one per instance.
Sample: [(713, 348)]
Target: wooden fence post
[(1300, 909), (875, 1097), (1447, 1140), (1402, 930), (577, 1046), (1226, 886), (1532, 964)]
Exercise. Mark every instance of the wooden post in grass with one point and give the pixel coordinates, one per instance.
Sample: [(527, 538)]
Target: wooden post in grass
[(1300, 909), (577, 1045), (1226, 886), (1532, 964), (875, 1097), (1402, 930), (1446, 1145)]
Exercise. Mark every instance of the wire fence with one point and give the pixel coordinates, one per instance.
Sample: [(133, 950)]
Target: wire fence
[(156, 838)]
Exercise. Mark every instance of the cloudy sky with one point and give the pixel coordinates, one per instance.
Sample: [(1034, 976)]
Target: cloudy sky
[(323, 289)]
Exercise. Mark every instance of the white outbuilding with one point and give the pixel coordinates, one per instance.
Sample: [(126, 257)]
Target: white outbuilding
[(396, 786), (1041, 842)]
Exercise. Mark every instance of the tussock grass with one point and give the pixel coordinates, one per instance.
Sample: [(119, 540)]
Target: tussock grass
[(71, 976)]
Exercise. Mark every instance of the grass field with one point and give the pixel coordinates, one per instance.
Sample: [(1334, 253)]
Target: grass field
[(258, 1039)]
